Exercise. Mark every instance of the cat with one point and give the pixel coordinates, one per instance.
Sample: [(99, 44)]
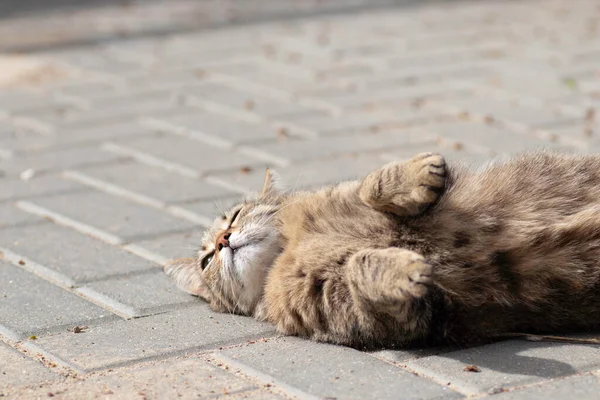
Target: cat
[(418, 253)]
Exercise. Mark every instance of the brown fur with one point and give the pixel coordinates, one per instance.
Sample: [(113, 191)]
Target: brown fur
[(418, 253)]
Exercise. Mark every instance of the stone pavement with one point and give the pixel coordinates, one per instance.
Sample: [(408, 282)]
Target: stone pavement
[(115, 148)]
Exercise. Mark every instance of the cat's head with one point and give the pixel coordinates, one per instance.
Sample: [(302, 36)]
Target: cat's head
[(236, 253)]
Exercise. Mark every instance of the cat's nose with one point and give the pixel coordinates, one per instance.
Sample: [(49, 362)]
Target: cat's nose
[(223, 240)]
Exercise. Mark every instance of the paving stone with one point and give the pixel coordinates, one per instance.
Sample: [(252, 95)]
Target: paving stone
[(155, 182), (507, 364), (242, 101), (107, 113), (328, 371), (191, 153), (31, 305), (187, 378), (176, 245), (361, 122), (20, 100), (90, 89), (188, 330), (490, 140), (207, 126), (87, 134), (10, 215), (449, 149), (87, 259), (212, 208), (15, 138), (141, 295), (296, 176), (293, 150), (17, 369), (507, 111), (13, 189), (251, 72), (59, 159), (113, 214), (390, 98), (584, 387)]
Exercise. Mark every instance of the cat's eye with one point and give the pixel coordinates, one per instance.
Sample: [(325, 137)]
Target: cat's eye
[(235, 215), (206, 260)]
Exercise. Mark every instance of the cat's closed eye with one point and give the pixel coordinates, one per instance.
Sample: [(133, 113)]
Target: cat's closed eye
[(206, 260)]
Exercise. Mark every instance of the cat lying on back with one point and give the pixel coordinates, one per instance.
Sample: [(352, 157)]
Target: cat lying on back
[(416, 253)]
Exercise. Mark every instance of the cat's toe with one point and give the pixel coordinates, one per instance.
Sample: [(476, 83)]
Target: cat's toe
[(419, 277), (431, 178)]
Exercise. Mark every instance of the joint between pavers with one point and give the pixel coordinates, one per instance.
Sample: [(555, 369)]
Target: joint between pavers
[(226, 184), (70, 223), (122, 310), (35, 350), (33, 124), (6, 154), (181, 130), (148, 159), (39, 270), (202, 349), (9, 334), (138, 198), (229, 111), (261, 155), (263, 377), (115, 190), (145, 254), (191, 216)]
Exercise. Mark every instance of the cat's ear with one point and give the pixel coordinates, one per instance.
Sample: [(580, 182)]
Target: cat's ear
[(271, 185), (187, 275)]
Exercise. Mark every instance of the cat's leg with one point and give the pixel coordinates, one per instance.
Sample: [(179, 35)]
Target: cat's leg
[(388, 279), (405, 188)]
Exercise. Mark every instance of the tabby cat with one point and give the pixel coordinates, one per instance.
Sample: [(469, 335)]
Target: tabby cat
[(417, 253)]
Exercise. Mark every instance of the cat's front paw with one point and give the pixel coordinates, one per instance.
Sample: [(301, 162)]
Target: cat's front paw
[(391, 274), (409, 275), (405, 188), (429, 171)]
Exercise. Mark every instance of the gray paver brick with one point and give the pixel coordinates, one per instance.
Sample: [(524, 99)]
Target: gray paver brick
[(361, 122), (113, 214), (183, 331), (145, 294), (14, 188), (31, 305), (156, 182), (176, 245), (317, 173), (507, 364), (191, 153), (209, 126), (59, 159), (17, 369), (26, 140), (507, 111), (15, 138), (332, 371), (11, 215), (584, 387), (304, 150), (213, 208), (254, 103), (20, 100), (486, 139), (87, 259), (108, 113)]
